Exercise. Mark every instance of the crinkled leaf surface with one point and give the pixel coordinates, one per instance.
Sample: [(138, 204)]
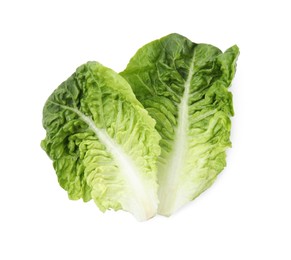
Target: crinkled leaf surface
[(184, 87), (103, 143)]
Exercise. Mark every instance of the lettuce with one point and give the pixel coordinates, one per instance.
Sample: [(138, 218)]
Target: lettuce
[(149, 139), (103, 143), (184, 87)]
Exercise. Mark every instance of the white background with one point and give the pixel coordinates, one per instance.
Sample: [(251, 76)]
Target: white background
[(247, 212)]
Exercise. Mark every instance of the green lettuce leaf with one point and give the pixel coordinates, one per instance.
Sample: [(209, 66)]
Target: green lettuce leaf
[(103, 143), (184, 87)]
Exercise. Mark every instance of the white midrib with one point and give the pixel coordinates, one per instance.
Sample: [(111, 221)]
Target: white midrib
[(169, 184), (141, 204)]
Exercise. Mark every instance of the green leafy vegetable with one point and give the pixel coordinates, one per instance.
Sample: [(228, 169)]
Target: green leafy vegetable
[(184, 87), (103, 143), (155, 134)]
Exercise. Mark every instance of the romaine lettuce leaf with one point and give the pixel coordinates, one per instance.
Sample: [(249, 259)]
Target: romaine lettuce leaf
[(184, 87), (103, 143)]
